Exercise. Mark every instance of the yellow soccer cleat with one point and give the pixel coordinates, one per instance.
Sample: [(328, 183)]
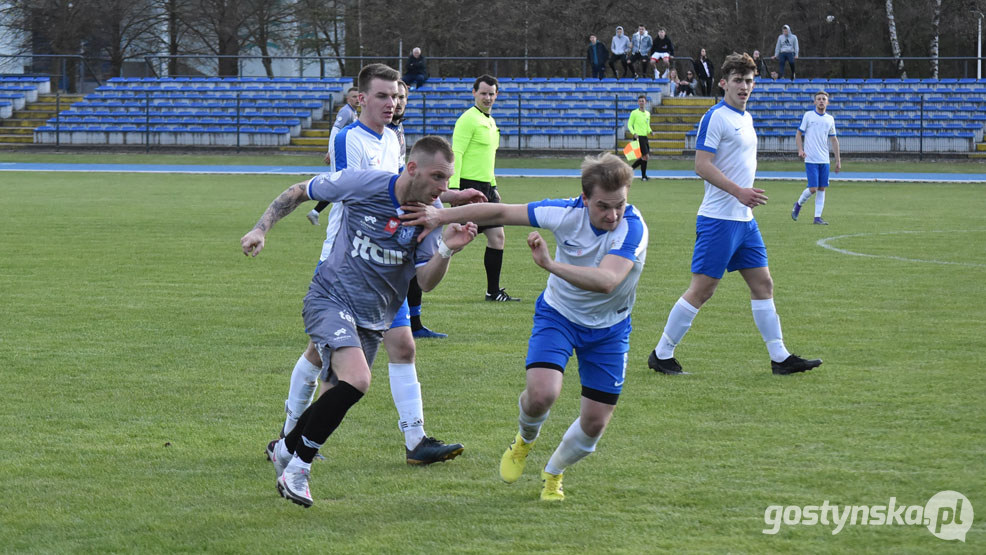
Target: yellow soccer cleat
[(552, 490), (514, 458)]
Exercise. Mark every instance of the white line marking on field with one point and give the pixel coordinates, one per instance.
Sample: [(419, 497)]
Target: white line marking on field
[(824, 243)]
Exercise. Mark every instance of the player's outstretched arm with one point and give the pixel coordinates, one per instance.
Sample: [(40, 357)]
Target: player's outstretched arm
[(284, 204), (454, 238), (611, 272), (706, 169), (430, 217)]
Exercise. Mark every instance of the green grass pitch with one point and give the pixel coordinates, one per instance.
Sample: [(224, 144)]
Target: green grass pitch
[(144, 362)]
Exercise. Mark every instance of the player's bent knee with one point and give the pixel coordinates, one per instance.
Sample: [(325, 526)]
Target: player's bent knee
[(400, 345), (311, 354)]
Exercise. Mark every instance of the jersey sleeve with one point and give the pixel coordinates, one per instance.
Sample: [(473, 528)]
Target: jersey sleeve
[(635, 240), (461, 135), (334, 187), (709, 133), (832, 126), (804, 123), (549, 213)]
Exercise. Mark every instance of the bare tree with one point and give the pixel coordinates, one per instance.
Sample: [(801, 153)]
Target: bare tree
[(894, 42), (125, 28), (220, 27), (936, 18), (320, 27), (267, 21)]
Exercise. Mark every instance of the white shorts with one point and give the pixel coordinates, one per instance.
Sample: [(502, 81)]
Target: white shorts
[(659, 55)]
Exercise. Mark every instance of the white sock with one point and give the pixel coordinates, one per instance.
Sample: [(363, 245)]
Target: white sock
[(575, 445), (679, 320), (281, 450), (805, 195), (304, 380), (819, 203), (406, 391), (297, 465), (530, 426), (769, 324)]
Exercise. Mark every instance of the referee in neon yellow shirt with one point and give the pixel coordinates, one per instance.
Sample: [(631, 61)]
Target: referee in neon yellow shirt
[(474, 143), (639, 126)]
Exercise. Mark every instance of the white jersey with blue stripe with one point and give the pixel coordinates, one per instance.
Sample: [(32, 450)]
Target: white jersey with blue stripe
[(359, 147), (728, 133), (817, 128), (579, 243)]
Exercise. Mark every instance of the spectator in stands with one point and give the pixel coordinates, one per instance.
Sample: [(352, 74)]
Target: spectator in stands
[(673, 81), (786, 50), (705, 72), (762, 71), (689, 85), (660, 59), (618, 49), (640, 47), (597, 55), (773, 75), (417, 71)]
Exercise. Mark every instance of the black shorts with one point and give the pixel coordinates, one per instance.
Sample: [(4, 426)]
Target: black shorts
[(488, 190), (644, 145)]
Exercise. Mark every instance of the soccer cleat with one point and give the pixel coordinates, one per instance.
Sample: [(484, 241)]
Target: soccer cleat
[(513, 459), (294, 487), (552, 490), (312, 216), (795, 211), (432, 450), (501, 296), (279, 462), (425, 333), (819, 221), (644, 178), (794, 364), (667, 366)]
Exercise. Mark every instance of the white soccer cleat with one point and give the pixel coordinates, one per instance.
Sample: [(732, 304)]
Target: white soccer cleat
[(294, 487)]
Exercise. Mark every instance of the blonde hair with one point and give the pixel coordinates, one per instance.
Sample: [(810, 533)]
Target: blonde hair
[(604, 170)]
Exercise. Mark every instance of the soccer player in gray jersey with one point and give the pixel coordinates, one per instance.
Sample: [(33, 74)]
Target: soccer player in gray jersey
[(357, 290)]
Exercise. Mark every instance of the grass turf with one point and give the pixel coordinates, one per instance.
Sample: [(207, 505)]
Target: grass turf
[(145, 362)]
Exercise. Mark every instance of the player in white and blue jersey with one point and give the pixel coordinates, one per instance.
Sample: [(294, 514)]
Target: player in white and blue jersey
[(369, 144), (727, 237), (585, 307), (358, 290), (812, 138)]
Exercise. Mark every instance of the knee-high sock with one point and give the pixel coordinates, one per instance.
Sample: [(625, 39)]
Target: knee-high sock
[(805, 195), (493, 261), (575, 445), (643, 168), (406, 391), (769, 324), (819, 203), (320, 420), (636, 163), (679, 320), (304, 379), (414, 295), (530, 426)]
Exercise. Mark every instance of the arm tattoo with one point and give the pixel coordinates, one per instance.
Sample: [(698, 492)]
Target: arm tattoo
[(283, 205)]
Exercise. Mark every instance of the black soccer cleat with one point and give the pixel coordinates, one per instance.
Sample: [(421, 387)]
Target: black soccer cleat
[(794, 364), (432, 450), (667, 366), (501, 297)]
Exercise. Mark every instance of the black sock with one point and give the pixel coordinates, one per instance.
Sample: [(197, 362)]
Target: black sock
[(321, 206), (493, 261), (414, 302), (635, 163), (321, 419), (643, 168)]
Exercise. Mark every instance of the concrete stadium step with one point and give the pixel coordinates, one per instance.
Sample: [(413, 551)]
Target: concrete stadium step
[(8, 131), (676, 118), (981, 147), (679, 110), (703, 101), (310, 141), (322, 133), (16, 139), (673, 127), (323, 124), (16, 122), (299, 148)]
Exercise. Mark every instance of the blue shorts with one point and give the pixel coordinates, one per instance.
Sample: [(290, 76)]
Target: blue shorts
[(727, 245), (818, 175), (403, 316), (602, 352)]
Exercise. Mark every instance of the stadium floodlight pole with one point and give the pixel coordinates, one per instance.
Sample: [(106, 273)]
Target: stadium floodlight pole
[(979, 46)]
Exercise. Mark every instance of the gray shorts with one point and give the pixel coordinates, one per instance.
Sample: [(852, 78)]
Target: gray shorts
[(331, 326)]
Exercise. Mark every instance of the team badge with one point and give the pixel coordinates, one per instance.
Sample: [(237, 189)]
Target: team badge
[(406, 235), (392, 225)]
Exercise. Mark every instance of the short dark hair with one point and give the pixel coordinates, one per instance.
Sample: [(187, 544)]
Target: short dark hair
[(351, 89), (375, 71), (639, 96), (605, 170), (431, 145), (738, 63), (488, 79), (401, 83)]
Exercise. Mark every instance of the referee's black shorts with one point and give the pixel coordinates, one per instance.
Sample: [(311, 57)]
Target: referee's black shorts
[(490, 191), (644, 145)]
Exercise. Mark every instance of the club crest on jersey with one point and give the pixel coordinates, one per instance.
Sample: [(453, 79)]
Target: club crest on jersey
[(405, 235), (392, 225)]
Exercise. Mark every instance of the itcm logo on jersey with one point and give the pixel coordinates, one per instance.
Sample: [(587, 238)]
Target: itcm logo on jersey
[(366, 249)]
